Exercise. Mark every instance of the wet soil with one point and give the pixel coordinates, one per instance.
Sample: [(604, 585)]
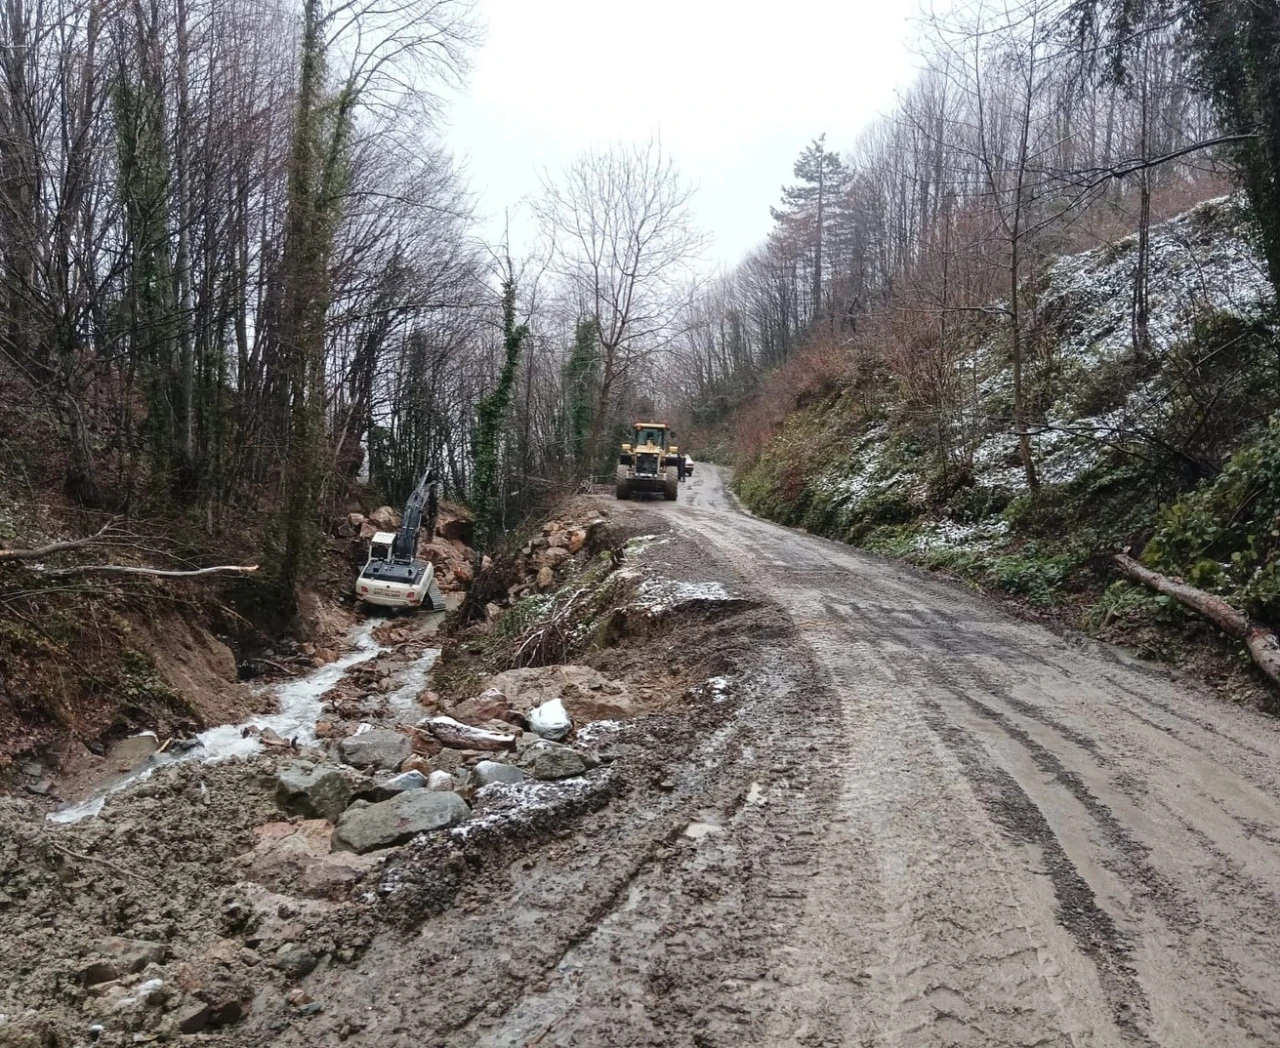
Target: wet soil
[(874, 809)]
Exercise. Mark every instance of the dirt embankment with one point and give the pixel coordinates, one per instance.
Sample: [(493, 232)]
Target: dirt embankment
[(218, 898)]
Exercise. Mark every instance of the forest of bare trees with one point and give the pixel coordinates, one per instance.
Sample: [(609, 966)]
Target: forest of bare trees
[(239, 271), (1021, 138)]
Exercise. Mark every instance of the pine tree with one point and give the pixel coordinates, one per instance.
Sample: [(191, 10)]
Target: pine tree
[(806, 207)]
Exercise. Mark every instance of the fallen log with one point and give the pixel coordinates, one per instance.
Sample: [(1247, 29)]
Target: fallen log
[(459, 736), (159, 573), (1263, 646)]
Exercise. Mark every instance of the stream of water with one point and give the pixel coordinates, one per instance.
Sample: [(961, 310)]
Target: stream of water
[(299, 704)]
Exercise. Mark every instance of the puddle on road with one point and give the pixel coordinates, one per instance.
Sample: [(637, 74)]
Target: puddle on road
[(299, 704), (698, 830)]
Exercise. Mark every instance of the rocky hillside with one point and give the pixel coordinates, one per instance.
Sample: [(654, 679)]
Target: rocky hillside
[(1161, 446)]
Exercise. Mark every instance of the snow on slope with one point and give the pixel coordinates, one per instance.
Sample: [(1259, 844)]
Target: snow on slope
[(1200, 261)]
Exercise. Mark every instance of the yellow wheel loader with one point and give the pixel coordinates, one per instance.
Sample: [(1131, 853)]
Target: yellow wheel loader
[(649, 463)]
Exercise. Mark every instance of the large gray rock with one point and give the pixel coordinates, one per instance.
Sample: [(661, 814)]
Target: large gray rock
[(403, 817), (440, 781), (380, 748), (316, 793), (551, 761), (494, 771)]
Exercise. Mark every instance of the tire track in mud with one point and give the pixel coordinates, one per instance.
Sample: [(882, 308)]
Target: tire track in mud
[(1104, 772), (1011, 808)]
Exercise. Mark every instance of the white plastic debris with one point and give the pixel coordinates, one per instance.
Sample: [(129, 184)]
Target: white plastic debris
[(550, 720)]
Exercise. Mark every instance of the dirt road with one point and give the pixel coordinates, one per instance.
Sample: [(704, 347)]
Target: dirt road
[(923, 823), (1032, 842)]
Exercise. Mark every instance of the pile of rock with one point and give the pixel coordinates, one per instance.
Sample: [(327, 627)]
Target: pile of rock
[(543, 558), (379, 788)]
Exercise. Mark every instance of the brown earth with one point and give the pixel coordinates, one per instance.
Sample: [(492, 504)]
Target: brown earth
[(871, 809)]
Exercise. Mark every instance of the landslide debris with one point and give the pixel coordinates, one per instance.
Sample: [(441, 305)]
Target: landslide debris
[(208, 894)]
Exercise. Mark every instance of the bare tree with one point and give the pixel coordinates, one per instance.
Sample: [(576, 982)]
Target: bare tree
[(626, 246)]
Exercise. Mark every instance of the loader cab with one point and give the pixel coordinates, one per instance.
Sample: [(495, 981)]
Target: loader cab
[(650, 435)]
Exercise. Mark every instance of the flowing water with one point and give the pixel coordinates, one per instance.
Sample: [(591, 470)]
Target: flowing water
[(299, 704)]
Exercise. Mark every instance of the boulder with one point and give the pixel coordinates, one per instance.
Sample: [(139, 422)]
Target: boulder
[(546, 578), (490, 704), (440, 781), (554, 556), (384, 518), (132, 753), (493, 771), (380, 748), (416, 763), (312, 792), (463, 572), (296, 857), (406, 780), (295, 960), (550, 720), (551, 761), (577, 539), (403, 817), (332, 876)]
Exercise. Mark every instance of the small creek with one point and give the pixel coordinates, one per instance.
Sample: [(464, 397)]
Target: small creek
[(299, 700)]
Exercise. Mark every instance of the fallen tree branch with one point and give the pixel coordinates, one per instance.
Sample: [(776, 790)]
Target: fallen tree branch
[(160, 573), (56, 547), (1263, 646), (94, 858)]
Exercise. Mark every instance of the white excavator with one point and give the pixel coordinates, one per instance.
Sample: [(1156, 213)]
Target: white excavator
[(394, 576)]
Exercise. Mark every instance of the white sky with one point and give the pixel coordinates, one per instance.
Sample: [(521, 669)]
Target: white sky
[(734, 89)]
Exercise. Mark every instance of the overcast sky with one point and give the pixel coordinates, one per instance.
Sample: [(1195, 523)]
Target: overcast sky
[(734, 89)]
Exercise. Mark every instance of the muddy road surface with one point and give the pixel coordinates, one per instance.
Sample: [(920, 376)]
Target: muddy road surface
[(1029, 840), (853, 805), (920, 823)]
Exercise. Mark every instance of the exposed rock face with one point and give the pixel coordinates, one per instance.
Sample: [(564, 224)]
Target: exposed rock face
[(312, 792), (380, 748), (388, 823)]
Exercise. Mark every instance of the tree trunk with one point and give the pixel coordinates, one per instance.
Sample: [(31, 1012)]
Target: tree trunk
[(1262, 643)]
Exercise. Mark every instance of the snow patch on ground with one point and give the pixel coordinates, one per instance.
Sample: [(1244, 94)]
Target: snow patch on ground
[(947, 534), (1200, 262), (657, 596)]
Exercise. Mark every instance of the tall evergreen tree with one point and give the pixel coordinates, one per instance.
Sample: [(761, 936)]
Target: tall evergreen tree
[(807, 205)]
